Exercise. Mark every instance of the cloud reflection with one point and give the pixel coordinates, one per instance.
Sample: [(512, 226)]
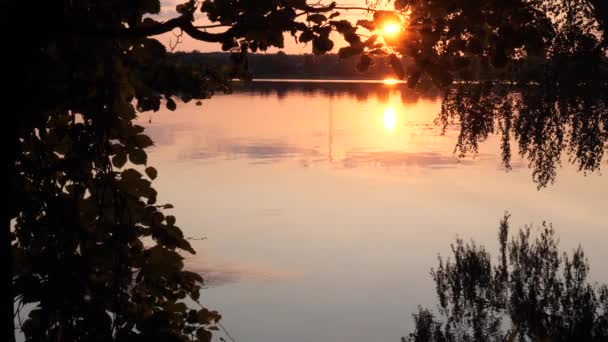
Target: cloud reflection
[(260, 151), (229, 272), (429, 160)]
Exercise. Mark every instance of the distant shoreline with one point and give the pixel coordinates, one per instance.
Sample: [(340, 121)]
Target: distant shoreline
[(328, 80)]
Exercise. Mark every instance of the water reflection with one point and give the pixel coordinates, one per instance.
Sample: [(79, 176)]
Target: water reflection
[(315, 213), (545, 123), (260, 151), (389, 120), (382, 131), (533, 291), (359, 90), (548, 125)]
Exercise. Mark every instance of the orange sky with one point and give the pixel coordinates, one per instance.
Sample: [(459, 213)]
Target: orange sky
[(189, 44)]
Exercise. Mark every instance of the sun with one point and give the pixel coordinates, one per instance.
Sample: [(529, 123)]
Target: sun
[(391, 29), (389, 119)]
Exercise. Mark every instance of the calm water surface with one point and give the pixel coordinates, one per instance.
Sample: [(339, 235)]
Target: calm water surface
[(324, 206)]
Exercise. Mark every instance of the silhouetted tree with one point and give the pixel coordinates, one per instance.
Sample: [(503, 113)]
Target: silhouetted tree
[(532, 292), (89, 251), (442, 37), (76, 215)]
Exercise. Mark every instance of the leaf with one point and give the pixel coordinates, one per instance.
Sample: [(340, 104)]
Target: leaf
[(203, 335), (184, 8), (130, 175), (138, 157), (226, 46), (348, 51), (138, 129), (321, 45), (151, 172), (119, 159), (150, 6), (368, 24), (177, 307), (306, 36), (162, 262), (170, 220), (369, 42), (317, 18), (206, 316), (381, 17), (174, 231), (171, 105), (151, 196), (143, 141)]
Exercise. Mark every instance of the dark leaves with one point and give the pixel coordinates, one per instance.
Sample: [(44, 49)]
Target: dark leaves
[(143, 141), (322, 44), (317, 18), (368, 24), (382, 17), (119, 159), (138, 156), (151, 172), (203, 335), (171, 105), (349, 51)]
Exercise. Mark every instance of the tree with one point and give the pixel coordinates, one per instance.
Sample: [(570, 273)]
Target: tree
[(77, 72), (442, 37), (87, 245), (532, 292)]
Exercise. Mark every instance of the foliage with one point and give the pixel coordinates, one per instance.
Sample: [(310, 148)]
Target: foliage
[(442, 37), (93, 253), (533, 292), (94, 256), (544, 121)]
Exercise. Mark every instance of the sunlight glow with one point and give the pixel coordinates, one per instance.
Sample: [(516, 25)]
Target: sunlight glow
[(390, 81), (389, 119), (391, 29)]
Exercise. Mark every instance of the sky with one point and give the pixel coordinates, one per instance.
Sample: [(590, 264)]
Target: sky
[(188, 44)]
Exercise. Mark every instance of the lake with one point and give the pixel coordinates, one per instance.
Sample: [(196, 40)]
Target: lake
[(319, 208)]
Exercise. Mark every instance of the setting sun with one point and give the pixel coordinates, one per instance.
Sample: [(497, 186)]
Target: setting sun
[(391, 28), (389, 119)]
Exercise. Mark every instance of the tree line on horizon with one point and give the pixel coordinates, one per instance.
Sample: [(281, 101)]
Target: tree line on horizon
[(332, 66)]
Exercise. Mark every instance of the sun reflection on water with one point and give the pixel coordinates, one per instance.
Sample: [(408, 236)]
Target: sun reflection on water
[(389, 119), (390, 81)]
